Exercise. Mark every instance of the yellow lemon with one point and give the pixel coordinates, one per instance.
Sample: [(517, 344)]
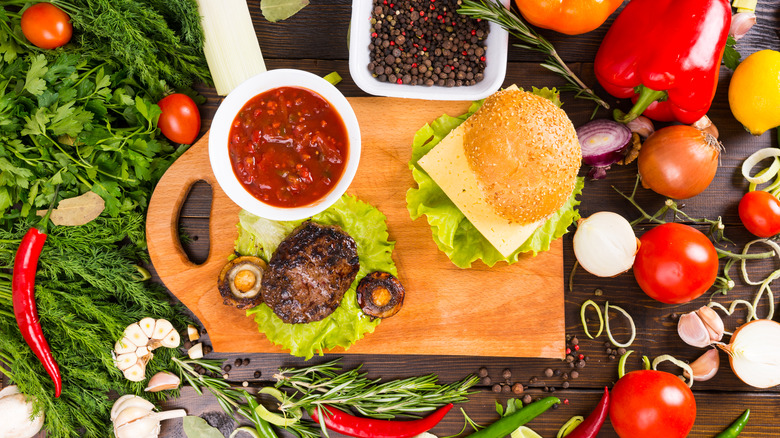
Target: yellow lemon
[(525, 432), (754, 92)]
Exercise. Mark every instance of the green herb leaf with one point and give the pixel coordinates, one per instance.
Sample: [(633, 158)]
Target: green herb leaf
[(34, 82), (196, 427), (277, 10), (731, 57)]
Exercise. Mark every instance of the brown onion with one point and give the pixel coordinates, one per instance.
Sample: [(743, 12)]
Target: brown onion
[(678, 161)]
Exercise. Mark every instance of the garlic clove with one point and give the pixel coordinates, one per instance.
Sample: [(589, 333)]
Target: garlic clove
[(161, 329), (196, 351), (706, 366), (192, 333), (136, 373), (605, 244), (712, 322), (147, 326), (127, 401), (162, 381), (123, 346), (741, 23), (125, 361), (136, 336), (642, 126), (135, 422), (693, 331), (171, 340), (142, 351)]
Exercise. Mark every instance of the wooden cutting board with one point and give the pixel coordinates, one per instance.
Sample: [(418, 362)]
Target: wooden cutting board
[(515, 311)]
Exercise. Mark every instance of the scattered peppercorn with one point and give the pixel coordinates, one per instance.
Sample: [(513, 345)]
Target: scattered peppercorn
[(486, 381), (555, 406), (548, 372), (611, 357), (237, 362), (565, 376), (517, 388), (598, 292), (207, 349), (496, 388), (580, 364), (506, 389), (574, 374), (527, 399), (201, 371), (575, 341), (227, 368), (621, 351), (187, 345), (246, 362), (569, 358), (258, 374), (565, 385), (417, 42), (533, 379), (506, 374), (483, 372), (551, 389)]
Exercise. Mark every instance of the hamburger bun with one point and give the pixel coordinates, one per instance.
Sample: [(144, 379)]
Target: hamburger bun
[(524, 152)]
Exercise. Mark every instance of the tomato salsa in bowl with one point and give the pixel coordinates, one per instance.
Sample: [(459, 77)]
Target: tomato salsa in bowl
[(284, 145)]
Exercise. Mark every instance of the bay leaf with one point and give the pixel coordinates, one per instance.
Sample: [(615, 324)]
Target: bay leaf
[(277, 10), (76, 211), (196, 427)]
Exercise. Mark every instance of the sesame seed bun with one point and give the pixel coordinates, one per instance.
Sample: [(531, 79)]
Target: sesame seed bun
[(524, 152)]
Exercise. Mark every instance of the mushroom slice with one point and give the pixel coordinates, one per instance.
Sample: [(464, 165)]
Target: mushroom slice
[(380, 295), (240, 281)]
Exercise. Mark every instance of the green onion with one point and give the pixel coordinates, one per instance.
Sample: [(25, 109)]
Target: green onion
[(630, 321), (569, 426), (679, 363), (333, 77), (582, 317), (622, 364)]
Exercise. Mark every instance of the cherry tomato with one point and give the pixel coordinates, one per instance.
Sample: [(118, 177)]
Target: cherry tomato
[(651, 404), (46, 26), (760, 213), (675, 263), (180, 118)]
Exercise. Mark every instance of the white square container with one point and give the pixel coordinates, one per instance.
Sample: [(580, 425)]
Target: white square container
[(359, 57)]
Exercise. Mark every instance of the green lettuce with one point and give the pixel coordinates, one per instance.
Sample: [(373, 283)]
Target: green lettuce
[(452, 232), (347, 324)]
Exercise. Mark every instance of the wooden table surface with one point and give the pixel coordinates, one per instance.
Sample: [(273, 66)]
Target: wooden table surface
[(316, 40)]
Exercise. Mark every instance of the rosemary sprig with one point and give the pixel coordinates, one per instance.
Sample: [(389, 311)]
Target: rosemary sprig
[(494, 12), (230, 399), (320, 385)]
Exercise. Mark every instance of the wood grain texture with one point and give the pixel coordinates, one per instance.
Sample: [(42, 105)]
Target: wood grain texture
[(447, 310)]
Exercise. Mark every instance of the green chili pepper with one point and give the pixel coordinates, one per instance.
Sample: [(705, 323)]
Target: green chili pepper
[(736, 427), (504, 426), (263, 428)]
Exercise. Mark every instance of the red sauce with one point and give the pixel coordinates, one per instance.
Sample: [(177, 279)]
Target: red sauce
[(288, 147)]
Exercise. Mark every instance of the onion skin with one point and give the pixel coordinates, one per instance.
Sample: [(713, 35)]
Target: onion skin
[(770, 345), (678, 161)]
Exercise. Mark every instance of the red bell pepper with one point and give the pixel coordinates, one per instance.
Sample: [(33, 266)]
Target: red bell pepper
[(665, 55)]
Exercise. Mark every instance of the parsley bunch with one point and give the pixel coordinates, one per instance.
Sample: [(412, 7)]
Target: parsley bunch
[(79, 123)]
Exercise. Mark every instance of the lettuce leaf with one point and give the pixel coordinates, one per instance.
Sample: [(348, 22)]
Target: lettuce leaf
[(452, 231), (347, 324)]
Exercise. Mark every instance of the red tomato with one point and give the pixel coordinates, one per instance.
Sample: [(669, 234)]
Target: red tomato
[(180, 118), (651, 404), (675, 263), (760, 213), (46, 26)]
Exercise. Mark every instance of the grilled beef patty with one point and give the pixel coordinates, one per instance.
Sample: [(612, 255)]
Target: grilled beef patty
[(310, 272)]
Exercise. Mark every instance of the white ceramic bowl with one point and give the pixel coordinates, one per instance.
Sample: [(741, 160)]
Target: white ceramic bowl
[(359, 57), (220, 130)]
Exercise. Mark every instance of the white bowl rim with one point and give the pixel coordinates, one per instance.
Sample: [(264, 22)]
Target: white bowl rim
[(232, 104)]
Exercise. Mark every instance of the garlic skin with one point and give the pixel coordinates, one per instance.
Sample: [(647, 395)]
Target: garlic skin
[(706, 366), (605, 244), (741, 23), (706, 125), (16, 411), (701, 327), (642, 126), (162, 381)]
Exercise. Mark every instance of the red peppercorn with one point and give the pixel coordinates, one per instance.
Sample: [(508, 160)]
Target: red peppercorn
[(374, 35), (433, 8), (399, 81), (464, 53), (414, 65), (482, 58), (473, 32), (425, 49), (581, 356), (576, 347), (568, 350), (422, 13), (439, 17), (566, 401), (426, 18), (392, 5), (392, 43)]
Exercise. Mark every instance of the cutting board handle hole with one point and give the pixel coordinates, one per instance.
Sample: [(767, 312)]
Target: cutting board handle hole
[(193, 223)]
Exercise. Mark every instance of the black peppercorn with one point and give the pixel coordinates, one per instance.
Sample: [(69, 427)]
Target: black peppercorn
[(527, 399), (245, 362), (237, 362), (517, 388), (506, 389), (496, 388), (507, 374), (257, 374), (227, 368), (487, 381), (565, 385), (483, 372), (548, 372)]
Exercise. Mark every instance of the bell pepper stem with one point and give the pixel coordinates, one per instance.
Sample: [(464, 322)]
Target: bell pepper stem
[(646, 97)]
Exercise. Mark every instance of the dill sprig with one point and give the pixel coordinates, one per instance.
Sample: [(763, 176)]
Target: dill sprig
[(325, 384), (493, 11)]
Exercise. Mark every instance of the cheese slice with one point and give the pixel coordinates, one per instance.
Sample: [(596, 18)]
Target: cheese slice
[(446, 164)]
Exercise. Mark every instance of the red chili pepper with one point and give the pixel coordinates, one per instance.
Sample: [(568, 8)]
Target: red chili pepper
[(665, 55), (23, 293), (342, 422), (591, 426)]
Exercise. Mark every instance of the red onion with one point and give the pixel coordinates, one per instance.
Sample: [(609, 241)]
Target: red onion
[(603, 143)]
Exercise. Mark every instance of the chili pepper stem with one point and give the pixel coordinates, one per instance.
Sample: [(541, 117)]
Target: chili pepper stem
[(646, 97), (756, 256)]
